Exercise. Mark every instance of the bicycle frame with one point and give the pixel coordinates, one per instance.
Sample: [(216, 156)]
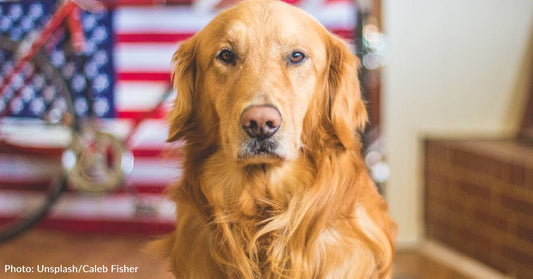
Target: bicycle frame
[(68, 10)]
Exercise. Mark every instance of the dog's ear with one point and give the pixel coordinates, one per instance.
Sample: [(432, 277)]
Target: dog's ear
[(184, 79), (346, 109)]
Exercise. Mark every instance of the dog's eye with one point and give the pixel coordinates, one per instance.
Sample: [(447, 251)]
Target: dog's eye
[(297, 57), (226, 56)]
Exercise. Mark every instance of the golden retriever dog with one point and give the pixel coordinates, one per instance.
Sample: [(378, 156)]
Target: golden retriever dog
[(273, 185)]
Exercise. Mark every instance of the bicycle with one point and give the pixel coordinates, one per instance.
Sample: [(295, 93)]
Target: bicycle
[(86, 158)]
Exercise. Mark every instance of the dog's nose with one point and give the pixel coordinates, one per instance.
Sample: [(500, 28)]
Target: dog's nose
[(261, 121)]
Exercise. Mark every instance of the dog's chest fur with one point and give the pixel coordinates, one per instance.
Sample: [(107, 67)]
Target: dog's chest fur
[(250, 210)]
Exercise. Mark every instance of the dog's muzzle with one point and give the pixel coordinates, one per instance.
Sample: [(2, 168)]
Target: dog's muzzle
[(260, 122)]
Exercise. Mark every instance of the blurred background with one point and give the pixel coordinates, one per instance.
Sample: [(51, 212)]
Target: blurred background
[(448, 86)]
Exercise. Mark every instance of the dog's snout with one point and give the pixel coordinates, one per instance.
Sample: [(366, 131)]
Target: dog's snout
[(261, 121)]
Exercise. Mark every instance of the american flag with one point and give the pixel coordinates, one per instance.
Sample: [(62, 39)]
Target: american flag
[(127, 69), (94, 73)]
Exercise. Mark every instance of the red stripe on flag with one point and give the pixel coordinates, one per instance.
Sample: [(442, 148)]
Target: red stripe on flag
[(118, 3), (178, 37), (147, 76), (54, 152), (135, 114), (142, 226), (346, 34), (152, 37), (42, 187)]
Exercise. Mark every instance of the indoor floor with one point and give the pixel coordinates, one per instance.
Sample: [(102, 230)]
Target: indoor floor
[(54, 249)]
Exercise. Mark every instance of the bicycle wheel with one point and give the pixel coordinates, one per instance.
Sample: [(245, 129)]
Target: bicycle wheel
[(37, 119)]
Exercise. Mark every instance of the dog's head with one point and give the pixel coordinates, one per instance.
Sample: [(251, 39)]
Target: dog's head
[(264, 81)]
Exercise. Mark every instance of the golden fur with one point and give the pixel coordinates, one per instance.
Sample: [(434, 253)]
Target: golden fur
[(311, 211)]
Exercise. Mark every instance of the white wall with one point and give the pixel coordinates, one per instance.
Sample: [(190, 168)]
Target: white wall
[(455, 68)]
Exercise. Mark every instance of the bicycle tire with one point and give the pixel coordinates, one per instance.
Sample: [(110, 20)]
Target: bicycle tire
[(53, 112)]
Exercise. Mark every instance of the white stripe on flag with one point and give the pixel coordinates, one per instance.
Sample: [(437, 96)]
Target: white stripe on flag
[(115, 207), (155, 171), (144, 57), (151, 133), (138, 95), (160, 20), (336, 15), (186, 20)]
